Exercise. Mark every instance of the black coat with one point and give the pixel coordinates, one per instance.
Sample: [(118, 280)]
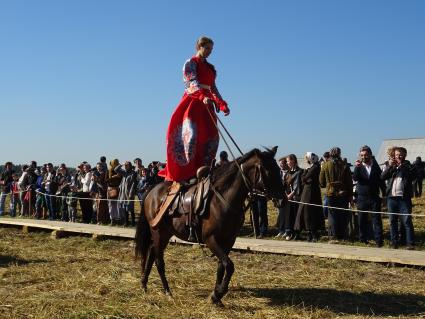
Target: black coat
[(292, 184), (310, 217), (419, 169), (369, 186)]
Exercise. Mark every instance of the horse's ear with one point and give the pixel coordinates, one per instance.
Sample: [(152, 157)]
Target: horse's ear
[(272, 151)]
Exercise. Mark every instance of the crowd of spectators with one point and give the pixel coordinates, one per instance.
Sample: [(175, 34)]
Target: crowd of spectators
[(353, 197), (106, 194)]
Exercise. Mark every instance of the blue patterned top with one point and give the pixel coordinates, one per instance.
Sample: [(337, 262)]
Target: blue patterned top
[(190, 78)]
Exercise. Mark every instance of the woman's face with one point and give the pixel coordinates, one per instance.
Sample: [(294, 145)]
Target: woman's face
[(290, 162), (205, 50)]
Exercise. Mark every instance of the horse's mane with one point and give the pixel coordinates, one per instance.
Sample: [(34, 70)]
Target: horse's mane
[(222, 173)]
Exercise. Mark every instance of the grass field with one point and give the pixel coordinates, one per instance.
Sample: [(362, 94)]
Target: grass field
[(77, 277)]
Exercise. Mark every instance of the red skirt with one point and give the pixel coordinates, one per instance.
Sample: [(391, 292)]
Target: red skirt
[(192, 139)]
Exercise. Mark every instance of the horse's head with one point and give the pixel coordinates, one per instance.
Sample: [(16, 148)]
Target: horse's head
[(264, 174)]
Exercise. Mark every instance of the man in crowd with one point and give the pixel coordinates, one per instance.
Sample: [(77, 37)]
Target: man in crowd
[(138, 165), (419, 171), (127, 191), (336, 177), (6, 179), (103, 163), (399, 193), (224, 158), (325, 158), (367, 174), (259, 216)]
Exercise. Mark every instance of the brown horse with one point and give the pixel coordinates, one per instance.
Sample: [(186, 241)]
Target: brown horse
[(219, 226)]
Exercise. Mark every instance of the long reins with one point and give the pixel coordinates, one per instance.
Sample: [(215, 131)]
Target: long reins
[(245, 179)]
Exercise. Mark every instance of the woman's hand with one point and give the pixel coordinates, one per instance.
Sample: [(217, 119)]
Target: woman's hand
[(222, 105), (207, 101)]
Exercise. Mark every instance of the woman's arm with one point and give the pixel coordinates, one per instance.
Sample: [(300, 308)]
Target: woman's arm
[(215, 91), (190, 77)]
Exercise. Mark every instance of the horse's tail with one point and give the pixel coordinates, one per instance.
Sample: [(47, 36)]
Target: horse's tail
[(143, 235)]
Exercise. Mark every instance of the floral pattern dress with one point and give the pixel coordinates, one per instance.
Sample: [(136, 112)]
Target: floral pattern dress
[(192, 136)]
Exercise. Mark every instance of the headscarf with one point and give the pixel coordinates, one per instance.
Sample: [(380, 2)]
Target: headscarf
[(311, 158)]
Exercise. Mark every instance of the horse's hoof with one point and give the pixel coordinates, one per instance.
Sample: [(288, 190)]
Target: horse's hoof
[(216, 301), (168, 294)]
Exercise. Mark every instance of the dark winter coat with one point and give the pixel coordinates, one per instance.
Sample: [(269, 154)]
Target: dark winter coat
[(368, 186), (292, 184), (310, 217)]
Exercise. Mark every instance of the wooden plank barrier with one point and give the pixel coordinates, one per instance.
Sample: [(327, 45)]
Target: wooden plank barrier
[(323, 250)]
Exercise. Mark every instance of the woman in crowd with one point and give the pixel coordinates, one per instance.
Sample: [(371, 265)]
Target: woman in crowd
[(310, 218), (101, 194), (113, 181), (293, 192), (280, 224), (63, 180)]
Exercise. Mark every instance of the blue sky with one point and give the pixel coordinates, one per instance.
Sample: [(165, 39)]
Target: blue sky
[(80, 79)]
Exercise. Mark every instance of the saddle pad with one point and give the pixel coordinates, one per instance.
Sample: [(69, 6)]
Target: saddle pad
[(172, 193)]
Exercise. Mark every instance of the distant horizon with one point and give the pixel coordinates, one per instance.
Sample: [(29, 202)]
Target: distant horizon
[(146, 162)]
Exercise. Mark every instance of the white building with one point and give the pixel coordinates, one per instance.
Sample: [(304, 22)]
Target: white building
[(415, 147)]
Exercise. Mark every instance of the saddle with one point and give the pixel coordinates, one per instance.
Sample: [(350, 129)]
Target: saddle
[(190, 198)]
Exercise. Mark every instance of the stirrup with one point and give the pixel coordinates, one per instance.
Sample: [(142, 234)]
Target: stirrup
[(191, 237)]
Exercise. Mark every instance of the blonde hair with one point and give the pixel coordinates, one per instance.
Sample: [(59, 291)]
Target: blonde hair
[(202, 41)]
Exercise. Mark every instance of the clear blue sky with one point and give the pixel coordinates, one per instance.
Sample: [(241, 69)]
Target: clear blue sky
[(80, 79)]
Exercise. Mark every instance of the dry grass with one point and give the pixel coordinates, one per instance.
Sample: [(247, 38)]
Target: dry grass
[(77, 277)]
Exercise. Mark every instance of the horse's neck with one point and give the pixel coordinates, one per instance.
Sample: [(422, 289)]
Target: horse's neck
[(237, 193)]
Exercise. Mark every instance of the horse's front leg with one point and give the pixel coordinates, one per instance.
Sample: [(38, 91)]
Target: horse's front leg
[(225, 271), (220, 274)]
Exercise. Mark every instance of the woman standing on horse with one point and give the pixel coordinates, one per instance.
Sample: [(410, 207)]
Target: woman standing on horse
[(192, 135)]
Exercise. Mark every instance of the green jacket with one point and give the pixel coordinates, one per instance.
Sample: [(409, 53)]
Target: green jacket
[(335, 175)]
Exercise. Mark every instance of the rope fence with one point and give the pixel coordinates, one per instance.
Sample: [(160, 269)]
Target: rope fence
[(356, 210), (291, 201)]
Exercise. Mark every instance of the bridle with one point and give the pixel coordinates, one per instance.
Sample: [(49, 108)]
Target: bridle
[(258, 187)]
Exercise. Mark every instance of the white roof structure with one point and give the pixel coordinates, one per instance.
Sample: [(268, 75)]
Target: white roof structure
[(415, 147)]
